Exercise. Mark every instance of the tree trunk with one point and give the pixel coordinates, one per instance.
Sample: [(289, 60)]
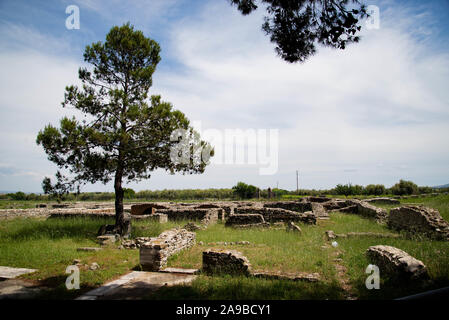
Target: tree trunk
[(122, 226), (119, 214)]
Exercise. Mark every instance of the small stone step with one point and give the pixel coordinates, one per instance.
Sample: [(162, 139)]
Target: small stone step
[(180, 270), (11, 273), (302, 276)]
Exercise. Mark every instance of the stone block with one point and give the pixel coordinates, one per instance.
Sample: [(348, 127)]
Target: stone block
[(244, 219), (419, 220), (273, 215), (147, 208), (318, 210), (383, 201), (157, 217), (154, 254), (225, 262), (368, 210), (397, 264)]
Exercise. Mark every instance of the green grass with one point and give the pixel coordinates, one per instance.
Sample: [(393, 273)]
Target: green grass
[(269, 250), (433, 254), (50, 246), (244, 288), (18, 204)]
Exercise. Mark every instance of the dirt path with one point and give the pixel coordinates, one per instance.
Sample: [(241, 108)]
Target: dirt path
[(136, 285), (342, 276)]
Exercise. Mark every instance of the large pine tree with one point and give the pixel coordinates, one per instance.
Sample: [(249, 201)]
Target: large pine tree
[(125, 134)]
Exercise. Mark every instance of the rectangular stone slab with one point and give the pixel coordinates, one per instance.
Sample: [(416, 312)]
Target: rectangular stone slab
[(180, 270), (11, 273)]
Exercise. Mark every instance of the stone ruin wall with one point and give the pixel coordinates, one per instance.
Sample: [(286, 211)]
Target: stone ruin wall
[(419, 220), (370, 211), (306, 210), (245, 219), (154, 254), (147, 208), (397, 263), (289, 205), (205, 216), (225, 262), (273, 215)]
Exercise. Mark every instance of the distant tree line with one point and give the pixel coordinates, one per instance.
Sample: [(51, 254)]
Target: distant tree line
[(403, 187), (157, 195), (240, 191)]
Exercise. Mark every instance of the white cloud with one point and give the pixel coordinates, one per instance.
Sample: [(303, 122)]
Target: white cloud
[(374, 113), (31, 91), (382, 100)]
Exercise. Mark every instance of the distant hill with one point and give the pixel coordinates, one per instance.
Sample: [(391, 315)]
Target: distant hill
[(441, 187)]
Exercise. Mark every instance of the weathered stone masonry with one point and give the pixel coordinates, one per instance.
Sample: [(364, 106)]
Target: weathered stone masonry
[(154, 254), (206, 216), (419, 220), (245, 220), (272, 215), (398, 264), (225, 262)]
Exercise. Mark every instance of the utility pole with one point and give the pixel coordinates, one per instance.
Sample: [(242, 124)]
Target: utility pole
[(297, 181)]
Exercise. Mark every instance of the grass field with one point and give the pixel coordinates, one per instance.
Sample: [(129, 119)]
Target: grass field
[(50, 246)]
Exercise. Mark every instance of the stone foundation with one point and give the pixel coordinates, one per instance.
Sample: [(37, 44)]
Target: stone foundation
[(315, 199), (234, 263), (273, 215), (82, 214), (349, 209), (157, 217), (290, 205), (205, 216), (319, 211), (225, 262), (244, 219), (147, 208), (419, 220), (338, 204), (224, 210), (154, 254), (383, 201), (370, 211), (397, 264)]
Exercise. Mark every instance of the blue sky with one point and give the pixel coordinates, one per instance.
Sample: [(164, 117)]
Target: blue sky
[(376, 112)]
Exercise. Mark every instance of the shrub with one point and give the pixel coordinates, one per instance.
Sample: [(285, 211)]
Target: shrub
[(18, 196), (348, 190), (244, 191), (375, 189), (404, 187), (425, 190)]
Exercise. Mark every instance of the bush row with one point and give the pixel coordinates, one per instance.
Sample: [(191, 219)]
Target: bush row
[(239, 191)]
